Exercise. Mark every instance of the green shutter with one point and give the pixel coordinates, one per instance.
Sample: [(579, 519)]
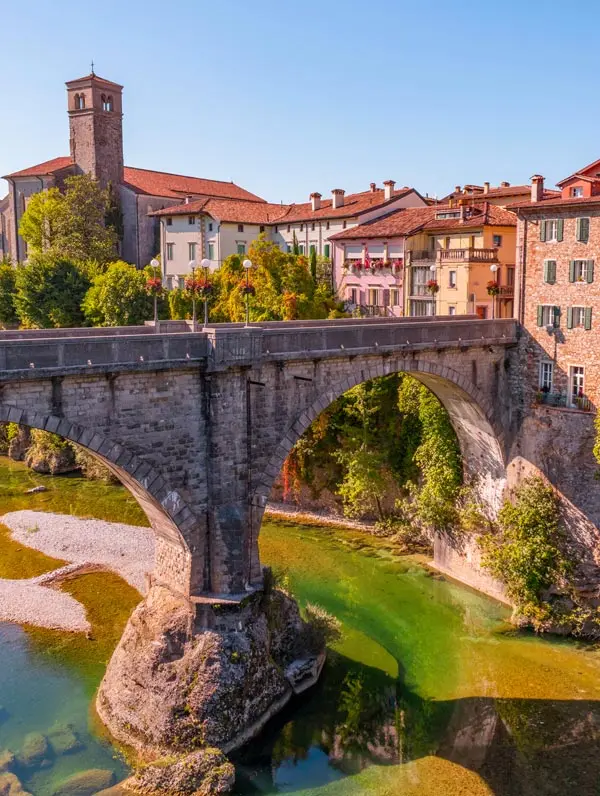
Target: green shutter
[(571, 270), (542, 230), (560, 224), (540, 315), (578, 229), (550, 271), (583, 230), (553, 272), (588, 318), (327, 250), (556, 317), (590, 270), (569, 317), (546, 270)]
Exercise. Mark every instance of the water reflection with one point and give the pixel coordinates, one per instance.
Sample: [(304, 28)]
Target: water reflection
[(358, 717)]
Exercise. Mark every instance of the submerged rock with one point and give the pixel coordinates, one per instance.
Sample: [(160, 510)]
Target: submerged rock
[(63, 739), (34, 490), (35, 752), (172, 688), (86, 783), (201, 773), (7, 760), (10, 785)]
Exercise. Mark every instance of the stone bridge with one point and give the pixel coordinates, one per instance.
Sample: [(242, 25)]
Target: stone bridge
[(197, 424)]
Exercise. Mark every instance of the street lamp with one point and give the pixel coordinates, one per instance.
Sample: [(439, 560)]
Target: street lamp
[(433, 269), (192, 267), (247, 264), (156, 265), (206, 265), (493, 269)]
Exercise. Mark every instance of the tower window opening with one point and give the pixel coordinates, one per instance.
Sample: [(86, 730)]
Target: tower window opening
[(107, 103), (79, 102)]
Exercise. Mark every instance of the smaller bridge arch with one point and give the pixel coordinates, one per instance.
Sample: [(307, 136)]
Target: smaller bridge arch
[(166, 510)]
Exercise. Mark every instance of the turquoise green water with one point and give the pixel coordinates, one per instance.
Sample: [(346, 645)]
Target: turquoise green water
[(429, 693)]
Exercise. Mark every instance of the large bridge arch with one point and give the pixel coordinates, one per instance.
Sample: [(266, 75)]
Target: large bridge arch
[(174, 561)]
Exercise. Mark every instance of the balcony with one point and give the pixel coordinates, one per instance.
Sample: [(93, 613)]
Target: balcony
[(506, 292), (421, 254), (469, 255), (560, 399)]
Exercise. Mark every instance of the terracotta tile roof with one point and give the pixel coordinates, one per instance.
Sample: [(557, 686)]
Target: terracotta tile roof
[(354, 204), (178, 186), (228, 210), (93, 76), (410, 220), (496, 193), (595, 167), (47, 167), (556, 202)]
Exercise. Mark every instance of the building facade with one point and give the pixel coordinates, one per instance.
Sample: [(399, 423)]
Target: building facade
[(435, 260), (95, 113)]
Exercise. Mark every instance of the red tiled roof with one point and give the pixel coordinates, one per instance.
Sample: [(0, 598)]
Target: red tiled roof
[(407, 221), (495, 193), (178, 186), (354, 204), (228, 210), (581, 172), (47, 167), (556, 202), (94, 76)]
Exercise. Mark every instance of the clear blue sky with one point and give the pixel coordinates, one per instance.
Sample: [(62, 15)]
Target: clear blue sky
[(289, 97)]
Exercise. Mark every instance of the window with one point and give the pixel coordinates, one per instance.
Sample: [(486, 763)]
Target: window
[(313, 246), (211, 251), (419, 308), (552, 229), (181, 282), (510, 275), (79, 102), (240, 227), (344, 224), (289, 228), (352, 294), (579, 318), (276, 228), (191, 220), (446, 214), (192, 251), (546, 376), (451, 309), (395, 297), (577, 190), (261, 228), (301, 248), (107, 103), (582, 230), (577, 385), (241, 248), (581, 271), (169, 222), (446, 243), (497, 241), (373, 296), (312, 226), (326, 250), (451, 278), (288, 248), (327, 225), (548, 315), (549, 272), (210, 227), (481, 311), (301, 227), (419, 276), (170, 248)]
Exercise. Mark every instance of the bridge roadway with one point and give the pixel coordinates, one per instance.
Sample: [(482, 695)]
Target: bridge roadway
[(197, 424)]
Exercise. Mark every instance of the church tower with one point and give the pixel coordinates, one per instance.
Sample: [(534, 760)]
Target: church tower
[(96, 127)]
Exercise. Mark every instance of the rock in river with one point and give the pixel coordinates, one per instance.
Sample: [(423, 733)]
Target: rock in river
[(203, 773), (86, 783), (63, 739), (35, 752), (10, 785)]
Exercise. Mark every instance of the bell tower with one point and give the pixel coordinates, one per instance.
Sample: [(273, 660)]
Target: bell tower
[(96, 127)]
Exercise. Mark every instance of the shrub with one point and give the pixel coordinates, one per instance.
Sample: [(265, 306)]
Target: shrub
[(322, 627)]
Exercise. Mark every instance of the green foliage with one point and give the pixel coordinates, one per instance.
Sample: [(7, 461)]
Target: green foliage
[(313, 265), (118, 297), (525, 552), (91, 467), (596, 449), (72, 225), (49, 453), (322, 627), (180, 304), (49, 292), (364, 483), (8, 282), (113, 217)]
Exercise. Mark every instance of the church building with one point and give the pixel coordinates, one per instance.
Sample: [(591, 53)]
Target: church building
[(95, 111)]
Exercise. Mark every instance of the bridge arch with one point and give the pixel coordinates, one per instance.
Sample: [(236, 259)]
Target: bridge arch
[(170, 517), (478, 422)]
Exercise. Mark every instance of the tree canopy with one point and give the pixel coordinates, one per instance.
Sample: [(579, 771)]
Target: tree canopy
[(72, 225), (118, 297), (8, 276), (49, 292)]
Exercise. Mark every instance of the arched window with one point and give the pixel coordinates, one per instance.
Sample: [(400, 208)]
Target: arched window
[(79, 101), (107, 103)]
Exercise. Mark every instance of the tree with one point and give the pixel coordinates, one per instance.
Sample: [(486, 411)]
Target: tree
[(49, 292), (118, 297), (313, 265), (8, 276), (295, 245), (71, 225)]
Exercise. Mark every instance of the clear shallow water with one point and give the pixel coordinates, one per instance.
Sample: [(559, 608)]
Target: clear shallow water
[(429, 693)]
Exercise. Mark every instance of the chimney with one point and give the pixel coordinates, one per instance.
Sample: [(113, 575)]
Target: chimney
[(504, 184), (188, 199), (315, 200), (373, 187), (537, 188), (486, 187), (388, 188), (457, 189), (463, 209), (338, 197)]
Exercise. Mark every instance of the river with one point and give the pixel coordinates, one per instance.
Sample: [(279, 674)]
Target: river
[(430, 691)]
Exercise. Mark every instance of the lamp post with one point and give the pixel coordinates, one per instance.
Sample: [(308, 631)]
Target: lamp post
[(206, 265), (192, 267), (433, 269), (493, 269), (156, 265), (247, 264)]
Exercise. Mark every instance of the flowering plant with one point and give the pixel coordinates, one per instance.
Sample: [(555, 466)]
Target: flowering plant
[(198, 288), (356, 264), (397, 264), (432, 286), (493, 288), (154, 285), (377, 264)]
